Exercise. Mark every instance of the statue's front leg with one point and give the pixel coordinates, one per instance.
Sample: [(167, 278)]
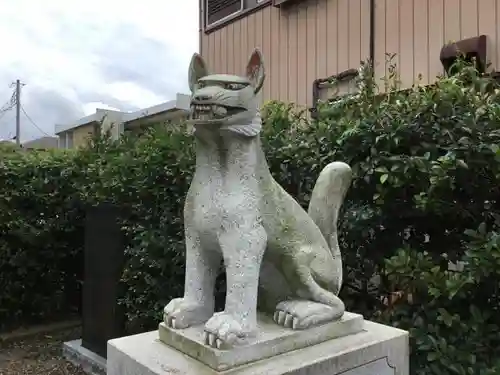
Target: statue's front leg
[(243, 249), (197, 305)]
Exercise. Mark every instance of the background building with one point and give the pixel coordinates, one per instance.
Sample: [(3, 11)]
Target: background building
[(76, 134), (306, 40)]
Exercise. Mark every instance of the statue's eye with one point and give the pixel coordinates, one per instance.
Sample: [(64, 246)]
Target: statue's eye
[(235, 86)]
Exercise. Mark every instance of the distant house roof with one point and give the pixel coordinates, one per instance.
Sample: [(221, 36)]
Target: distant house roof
[(42, 143), (181, 103), (98, 116)]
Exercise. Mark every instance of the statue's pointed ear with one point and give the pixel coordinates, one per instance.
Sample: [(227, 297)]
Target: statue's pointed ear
[(197, 70), (255, 70)]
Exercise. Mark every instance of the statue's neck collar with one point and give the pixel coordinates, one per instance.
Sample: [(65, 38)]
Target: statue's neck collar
[(249, 130)]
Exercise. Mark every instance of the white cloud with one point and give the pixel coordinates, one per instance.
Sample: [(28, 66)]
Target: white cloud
[(73, 54), (132, 93), (91, 108)]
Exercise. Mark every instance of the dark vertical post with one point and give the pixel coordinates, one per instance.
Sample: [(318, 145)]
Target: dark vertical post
[(104, 256), (18, 112)]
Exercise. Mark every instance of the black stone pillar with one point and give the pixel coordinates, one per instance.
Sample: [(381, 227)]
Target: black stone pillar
[(104, 255)]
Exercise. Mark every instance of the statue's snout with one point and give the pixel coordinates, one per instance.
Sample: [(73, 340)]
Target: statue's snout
[(202, 97)]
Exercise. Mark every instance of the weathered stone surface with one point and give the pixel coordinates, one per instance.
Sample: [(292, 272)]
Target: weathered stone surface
[(377, 350), (91, 363), (271, 340), (276, 255)]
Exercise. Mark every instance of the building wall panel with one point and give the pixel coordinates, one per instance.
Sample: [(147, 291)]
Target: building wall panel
[(319, 38), (82, 134)]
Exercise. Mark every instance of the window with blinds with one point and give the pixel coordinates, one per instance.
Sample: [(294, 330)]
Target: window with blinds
[(217, 10)]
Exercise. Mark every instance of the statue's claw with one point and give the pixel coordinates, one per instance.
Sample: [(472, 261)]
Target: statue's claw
[(224, 330), (211, 340), (182, 313), (300, 314), (285, 319)]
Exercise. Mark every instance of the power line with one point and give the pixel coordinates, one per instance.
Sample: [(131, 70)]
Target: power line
[(15, 101), (9, 104), (33, 122), (7, 107)]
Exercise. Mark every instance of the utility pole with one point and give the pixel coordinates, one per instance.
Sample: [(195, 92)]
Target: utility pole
[(18, 112)]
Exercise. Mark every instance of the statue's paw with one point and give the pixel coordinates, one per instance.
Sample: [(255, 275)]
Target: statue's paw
[(300, 314), (182, 313), (224, 330)]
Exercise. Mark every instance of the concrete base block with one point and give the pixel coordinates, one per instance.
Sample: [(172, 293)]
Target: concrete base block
[(376, 350), (92, 363), (271, 340)]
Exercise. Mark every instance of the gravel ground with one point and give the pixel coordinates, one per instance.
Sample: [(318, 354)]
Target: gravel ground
[(38, 354)]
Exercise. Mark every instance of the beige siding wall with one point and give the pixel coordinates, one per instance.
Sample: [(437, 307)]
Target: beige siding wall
[(417, 29), (82, 134), (319, 38), (299, 44)]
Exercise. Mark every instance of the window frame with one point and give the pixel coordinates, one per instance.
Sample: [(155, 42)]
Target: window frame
[(70, 140), (248, 7), (66, 139), (62, 140)]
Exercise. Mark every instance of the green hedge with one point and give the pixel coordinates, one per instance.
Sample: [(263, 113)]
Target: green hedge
[(41, 236), (426, 165)]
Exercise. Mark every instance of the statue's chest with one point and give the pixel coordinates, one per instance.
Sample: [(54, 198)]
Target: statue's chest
[(219, 204)]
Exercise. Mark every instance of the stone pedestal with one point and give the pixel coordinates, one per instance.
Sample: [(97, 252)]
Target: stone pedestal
[(349, 347)]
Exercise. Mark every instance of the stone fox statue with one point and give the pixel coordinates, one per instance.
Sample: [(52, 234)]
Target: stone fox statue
[(278, 258)]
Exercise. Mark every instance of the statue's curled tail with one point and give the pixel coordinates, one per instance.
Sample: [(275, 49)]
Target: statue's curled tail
[(327, 198)]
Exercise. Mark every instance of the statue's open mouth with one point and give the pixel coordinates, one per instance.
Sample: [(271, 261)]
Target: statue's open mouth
[(206, 112)]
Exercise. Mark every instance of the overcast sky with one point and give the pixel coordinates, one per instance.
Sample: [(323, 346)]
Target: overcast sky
[(75, 56)]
